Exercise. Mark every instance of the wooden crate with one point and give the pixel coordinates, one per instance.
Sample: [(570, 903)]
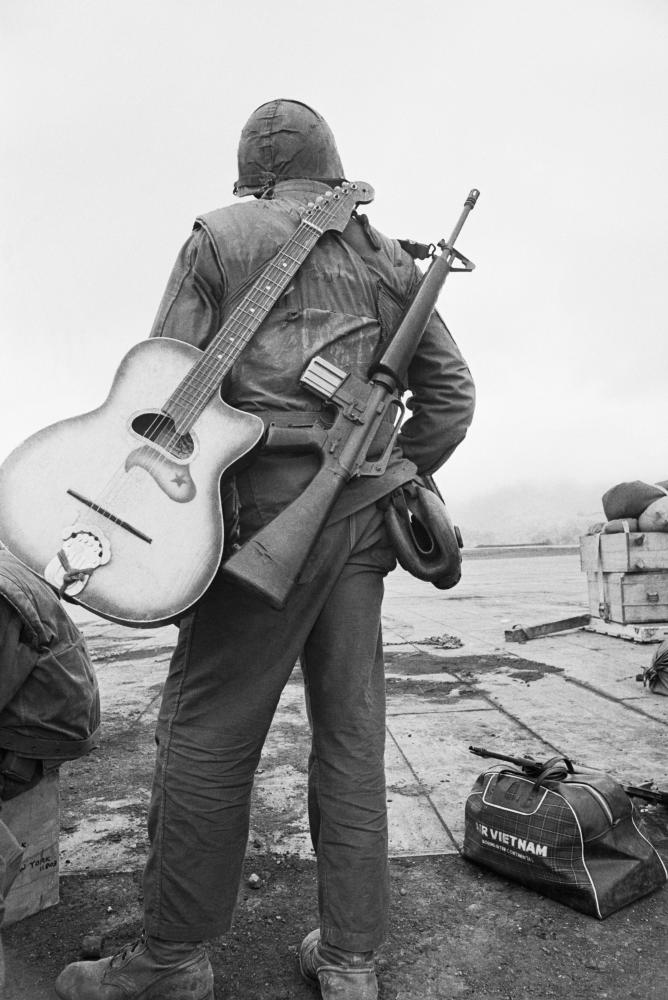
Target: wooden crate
[(635, 552), (653, 632), (34, 819), (631, 598)]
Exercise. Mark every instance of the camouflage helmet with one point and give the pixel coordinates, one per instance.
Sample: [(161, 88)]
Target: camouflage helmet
[(283, 140)]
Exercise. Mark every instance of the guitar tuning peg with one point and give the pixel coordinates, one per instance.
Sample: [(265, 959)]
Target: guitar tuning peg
[(347, 186), (328, 194), (319, 200), (310, 206)]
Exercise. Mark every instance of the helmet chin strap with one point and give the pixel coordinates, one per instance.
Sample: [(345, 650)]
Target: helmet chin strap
[(257, 187), (266, 190)]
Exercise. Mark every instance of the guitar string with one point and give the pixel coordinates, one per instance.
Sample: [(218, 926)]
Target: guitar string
[(206, 376), (325, 211), (213, 368), (242, 333), (209, 371), (120, 486)]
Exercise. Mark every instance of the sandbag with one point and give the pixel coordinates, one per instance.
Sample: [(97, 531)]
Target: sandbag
[(49, 697), (631, 499), (655, 517)]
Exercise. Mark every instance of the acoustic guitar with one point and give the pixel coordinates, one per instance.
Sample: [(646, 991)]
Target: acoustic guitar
[(120, 508)]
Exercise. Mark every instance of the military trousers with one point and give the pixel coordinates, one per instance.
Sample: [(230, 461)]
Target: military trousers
[(233, 657)]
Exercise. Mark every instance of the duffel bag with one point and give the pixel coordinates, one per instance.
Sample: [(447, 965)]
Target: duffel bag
[(571, 834)]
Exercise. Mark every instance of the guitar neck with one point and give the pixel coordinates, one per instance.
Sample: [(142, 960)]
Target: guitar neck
[(191, 396)]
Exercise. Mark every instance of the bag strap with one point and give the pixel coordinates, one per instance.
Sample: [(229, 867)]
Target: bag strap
[(554, 769)]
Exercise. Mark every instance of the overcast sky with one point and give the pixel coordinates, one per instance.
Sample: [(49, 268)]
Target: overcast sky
[(120, 123)]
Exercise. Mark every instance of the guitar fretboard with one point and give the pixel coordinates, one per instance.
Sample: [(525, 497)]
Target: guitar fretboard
[(191, 396)]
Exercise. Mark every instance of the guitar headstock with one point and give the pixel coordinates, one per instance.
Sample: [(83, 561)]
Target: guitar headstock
[(332, 209)]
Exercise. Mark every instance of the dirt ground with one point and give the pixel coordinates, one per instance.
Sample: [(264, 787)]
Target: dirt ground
[(456, 932)]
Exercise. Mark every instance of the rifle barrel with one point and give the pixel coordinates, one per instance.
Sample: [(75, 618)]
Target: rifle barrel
[(526, 762), (648, 794), (396, 358), (472, 198)]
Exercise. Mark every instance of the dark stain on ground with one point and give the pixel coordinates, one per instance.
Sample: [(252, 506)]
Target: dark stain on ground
[(467, 668), (416, 663), (443, 692)]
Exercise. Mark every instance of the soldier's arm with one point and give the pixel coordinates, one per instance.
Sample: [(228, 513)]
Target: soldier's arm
[(190, 309), (442, 401)]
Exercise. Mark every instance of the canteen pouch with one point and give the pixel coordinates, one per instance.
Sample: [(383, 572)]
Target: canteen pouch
[(424, 539), (572, 835)]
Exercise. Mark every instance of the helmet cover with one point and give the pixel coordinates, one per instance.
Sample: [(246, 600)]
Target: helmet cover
[(283, 140)]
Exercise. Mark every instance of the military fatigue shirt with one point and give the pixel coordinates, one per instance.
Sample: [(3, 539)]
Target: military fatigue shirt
[(344, 302)]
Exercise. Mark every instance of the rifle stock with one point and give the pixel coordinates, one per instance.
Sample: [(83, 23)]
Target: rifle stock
[(269, 564)]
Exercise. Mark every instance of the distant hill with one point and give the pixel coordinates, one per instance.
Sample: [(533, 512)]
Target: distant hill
[(556, 513)]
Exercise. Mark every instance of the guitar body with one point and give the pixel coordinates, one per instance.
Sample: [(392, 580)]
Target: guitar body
[(120, 508), (122, 492)]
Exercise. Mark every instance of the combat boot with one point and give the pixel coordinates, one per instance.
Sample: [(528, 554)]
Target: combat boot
[(138, 972), (341, 975)]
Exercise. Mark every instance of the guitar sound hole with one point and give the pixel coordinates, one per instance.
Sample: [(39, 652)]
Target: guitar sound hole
[(159, 428)]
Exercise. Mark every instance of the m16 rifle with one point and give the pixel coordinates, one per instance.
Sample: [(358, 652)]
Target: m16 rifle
[(533, 768), (648, 794), (270, 562)]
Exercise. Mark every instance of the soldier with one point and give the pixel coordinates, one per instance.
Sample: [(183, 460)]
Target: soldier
[(49, 699), (234, 653)]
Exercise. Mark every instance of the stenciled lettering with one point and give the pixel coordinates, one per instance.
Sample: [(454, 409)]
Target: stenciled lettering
[(510, 840)]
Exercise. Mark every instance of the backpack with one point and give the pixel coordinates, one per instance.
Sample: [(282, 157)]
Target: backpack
[(49, 697)]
